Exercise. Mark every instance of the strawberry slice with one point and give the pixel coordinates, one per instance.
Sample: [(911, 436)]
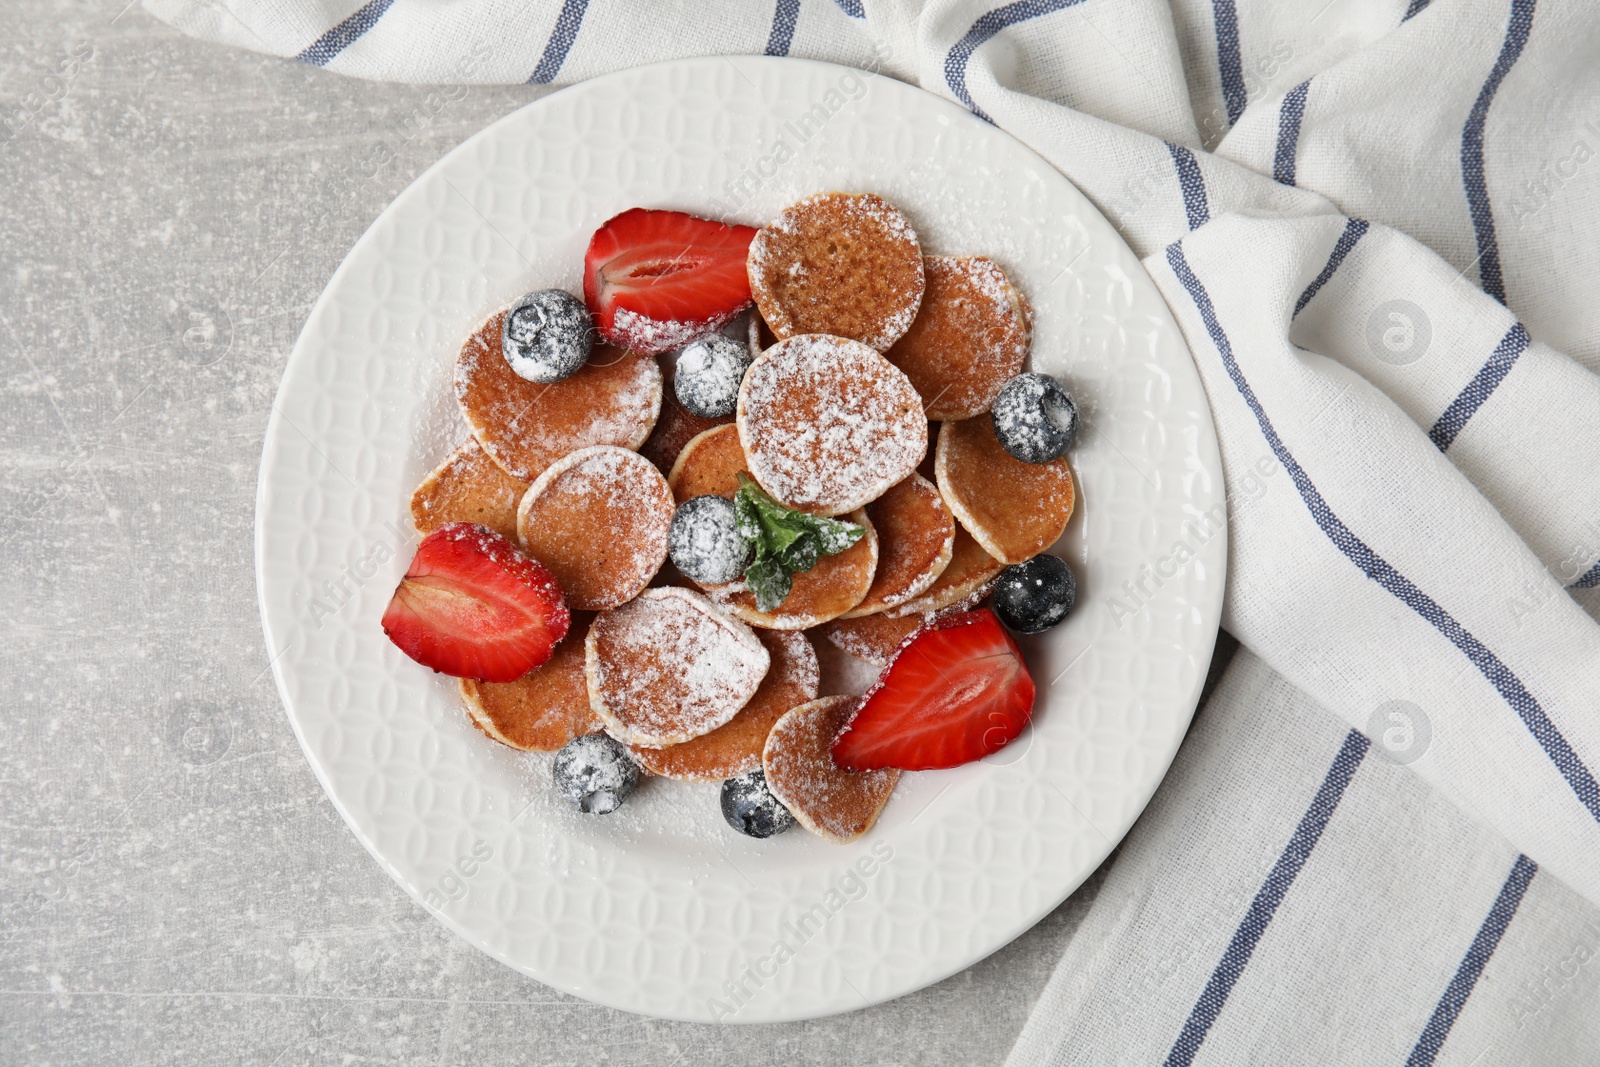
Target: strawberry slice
[(474, 605), (656, 280), (956, 691)]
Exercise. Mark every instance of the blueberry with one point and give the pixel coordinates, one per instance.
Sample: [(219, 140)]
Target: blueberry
[(1034, 418), (704, 540), (595, 773), (547, 335), (709, 373), (750, 807), (1034, 595)]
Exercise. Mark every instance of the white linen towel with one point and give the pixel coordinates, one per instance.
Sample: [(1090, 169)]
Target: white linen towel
[(1378, 224)]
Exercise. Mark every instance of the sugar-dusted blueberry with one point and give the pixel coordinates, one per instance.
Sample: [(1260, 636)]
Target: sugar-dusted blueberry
[(750, 807), (709, 373), (704, 540), (1034, 418), (596, 773), (1034, 595), (547, 335)]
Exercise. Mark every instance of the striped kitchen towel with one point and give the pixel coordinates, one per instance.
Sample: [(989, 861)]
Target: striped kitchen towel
[(1378, 224), (1361, 919)]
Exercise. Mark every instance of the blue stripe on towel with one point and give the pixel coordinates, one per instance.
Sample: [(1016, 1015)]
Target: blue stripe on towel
[(1195, 203), (1508, 685), (852, 8), (1472, 964), (1267, 899), (989, 24), (568, 22), (1588, 579), (1229, 68), (1414, 9), (1290, 112), (321, 51), (1475, 392), (1517, 31), (1353, 230), (784, 15)]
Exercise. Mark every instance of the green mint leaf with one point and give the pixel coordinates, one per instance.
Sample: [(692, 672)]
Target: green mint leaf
[(768, 582), (785, 542), (833, 536), (802, 555)]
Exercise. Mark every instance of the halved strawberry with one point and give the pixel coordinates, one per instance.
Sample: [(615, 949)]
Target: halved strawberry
[(956, 691), (474, 605), (655, 280)]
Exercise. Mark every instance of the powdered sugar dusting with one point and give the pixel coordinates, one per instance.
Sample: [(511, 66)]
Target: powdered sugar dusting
[(598, 518), (639, 333), (670, 666), (828, 424)]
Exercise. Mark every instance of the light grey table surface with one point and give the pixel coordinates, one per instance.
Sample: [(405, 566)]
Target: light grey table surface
[(176, 888)]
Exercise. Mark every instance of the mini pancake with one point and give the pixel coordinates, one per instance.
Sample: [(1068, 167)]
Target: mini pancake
[(967, 576), (916, 535), (873, 638), (598, 519), (525, 426), (542, 710), (969, 337), (709, 465), (828, 800), (675, 428), (735, 746), (840, 264), (831, 588), (828, 424), (1015, 510), (468, 487), (668, 666)]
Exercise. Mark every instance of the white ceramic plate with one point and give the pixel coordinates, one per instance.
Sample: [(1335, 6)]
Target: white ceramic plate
[(660, 908)]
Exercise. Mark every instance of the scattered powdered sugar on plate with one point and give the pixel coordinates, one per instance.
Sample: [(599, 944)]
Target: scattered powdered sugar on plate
[(828, 424), (669, 666)]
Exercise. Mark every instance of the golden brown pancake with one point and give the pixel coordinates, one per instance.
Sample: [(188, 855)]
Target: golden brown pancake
[(468, 487), (542, 710), (1015, 510), (969, 337), (525, 426), (831, 588), (968, 575), (840, 264), (735, 746), (916, 535), (873, 638), (827, 424), (709, 465), (669, 666), (675, 427), (598, 519), (829, 801)]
